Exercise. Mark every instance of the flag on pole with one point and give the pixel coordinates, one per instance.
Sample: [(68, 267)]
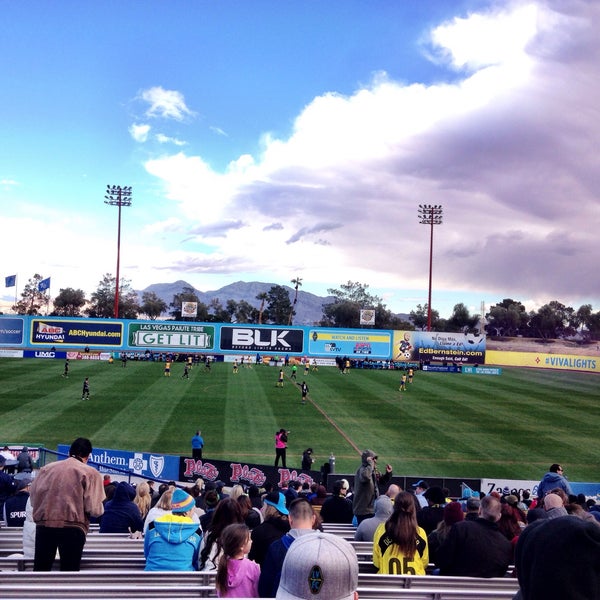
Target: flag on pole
[(44, 285), (10, 281)]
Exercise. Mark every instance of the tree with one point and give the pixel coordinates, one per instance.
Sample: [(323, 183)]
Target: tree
[(152, 306), (583, 318), (344, 311), (69, 303), (507, 318), (278, 305), (419, 318), (552, 320), (462, 321), (241, 312), (297, 283), (102, 302), (188, 294), (218, 314), (263, 297), (31, 298)]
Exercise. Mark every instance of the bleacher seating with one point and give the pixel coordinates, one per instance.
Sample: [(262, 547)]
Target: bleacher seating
[(112, 566)]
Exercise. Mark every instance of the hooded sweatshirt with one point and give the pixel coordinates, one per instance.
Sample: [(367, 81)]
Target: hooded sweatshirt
[(172, 543), (365, 486), (121, 515), (366, 529), (551, 481), (242, 579)]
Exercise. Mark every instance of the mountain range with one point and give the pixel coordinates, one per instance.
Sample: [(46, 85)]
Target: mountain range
[(309, 308)]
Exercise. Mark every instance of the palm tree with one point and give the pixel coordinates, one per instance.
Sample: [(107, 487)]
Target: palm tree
[(262, 297), (297, 283)]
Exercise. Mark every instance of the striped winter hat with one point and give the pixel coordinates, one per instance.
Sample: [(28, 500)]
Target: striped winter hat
[(181, 502)]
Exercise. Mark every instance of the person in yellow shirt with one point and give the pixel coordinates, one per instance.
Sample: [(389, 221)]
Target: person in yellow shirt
[(399, 544)]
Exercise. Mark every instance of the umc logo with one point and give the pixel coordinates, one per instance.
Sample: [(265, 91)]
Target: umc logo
[(261, 340), (45, 354)]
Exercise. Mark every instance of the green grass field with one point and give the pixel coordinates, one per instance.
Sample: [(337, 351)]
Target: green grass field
[(510, 426)]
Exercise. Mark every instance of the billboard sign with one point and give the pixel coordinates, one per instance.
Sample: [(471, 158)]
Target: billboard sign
[(81, 332), (433, 346), (350, 342), (11, 331), (171, 335), (262, 339)]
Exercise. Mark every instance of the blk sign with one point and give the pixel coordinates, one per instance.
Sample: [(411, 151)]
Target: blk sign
[(249, 339)]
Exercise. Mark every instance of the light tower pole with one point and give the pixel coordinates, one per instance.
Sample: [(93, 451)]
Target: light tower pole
[(430, 214), (118, 196)]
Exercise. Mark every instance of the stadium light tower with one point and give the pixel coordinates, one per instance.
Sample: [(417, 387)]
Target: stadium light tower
[(118, 196), (430, 214)]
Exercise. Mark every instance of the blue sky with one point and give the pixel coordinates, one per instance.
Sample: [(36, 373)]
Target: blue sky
[(266, 140)]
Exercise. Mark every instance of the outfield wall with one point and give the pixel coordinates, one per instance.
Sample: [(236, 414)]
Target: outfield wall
[(54, 334), (44, 335)]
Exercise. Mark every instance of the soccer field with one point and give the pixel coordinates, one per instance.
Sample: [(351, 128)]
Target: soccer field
[(509, 426)]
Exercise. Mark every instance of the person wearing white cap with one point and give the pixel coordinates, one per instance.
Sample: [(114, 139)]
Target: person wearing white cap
[(321, 565), (172, 542)]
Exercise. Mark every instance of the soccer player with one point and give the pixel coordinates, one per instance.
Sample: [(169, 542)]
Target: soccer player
[(410, 375), (85, 394), (168, 368), (66, 372), (280, 380), (304, 390), (403, 382), (294, 371)]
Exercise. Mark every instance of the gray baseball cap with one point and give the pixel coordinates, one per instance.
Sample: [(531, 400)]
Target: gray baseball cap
[(319, 565)]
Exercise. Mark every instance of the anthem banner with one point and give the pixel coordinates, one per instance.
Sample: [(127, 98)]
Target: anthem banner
[(189, 309), (367, 317)]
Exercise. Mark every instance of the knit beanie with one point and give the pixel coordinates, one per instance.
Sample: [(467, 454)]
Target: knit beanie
[(453, 513), (181, 501)]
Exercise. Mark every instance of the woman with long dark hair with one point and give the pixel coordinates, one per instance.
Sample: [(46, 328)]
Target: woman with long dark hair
[(399, 544)]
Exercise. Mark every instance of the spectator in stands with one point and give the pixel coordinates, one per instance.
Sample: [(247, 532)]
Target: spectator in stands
[(453, 513), (320, 496), (7, 484), (433, 514), (420, 488), (121, 515), (24, 461), (172, 541), (15, 505), (392, 491), (275, 524), (237, 576), (476, 548), (236, 491), (254, 495), (143, 499), (399, 544), (319, 566), (366, 485), (509, 526), (162, 507), (211, 499), (554, 506), (472, 509), (558, 559), (64, 495), (251, 516), (29, 529), (554, 478), (227, 512), (302, 520), (366, 529), (336, 509)]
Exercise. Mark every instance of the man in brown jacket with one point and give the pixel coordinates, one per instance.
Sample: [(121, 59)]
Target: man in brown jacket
[(64, 495)]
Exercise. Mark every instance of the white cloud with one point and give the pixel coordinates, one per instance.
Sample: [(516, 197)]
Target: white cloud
[(508, 148), (139, 132), (167, 104)]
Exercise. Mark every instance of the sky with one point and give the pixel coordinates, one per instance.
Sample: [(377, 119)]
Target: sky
[(266, 140)]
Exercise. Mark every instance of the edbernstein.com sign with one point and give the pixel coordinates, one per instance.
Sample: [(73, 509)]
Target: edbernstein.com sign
[(81, 332), (171, 335), (341, 342), (439, 347), (265, 339)]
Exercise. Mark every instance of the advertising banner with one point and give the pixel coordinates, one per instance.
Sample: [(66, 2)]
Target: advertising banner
[(171, 335), (264, 339), (44, 354), (467, 370), (11, 331), (76, 332), (430, 346), (141, 464), (231, 473), (350, 342), (569, 362)]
